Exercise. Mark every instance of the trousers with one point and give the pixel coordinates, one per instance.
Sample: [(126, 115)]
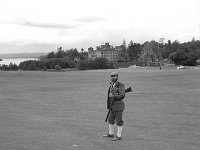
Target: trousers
[(115, 116)]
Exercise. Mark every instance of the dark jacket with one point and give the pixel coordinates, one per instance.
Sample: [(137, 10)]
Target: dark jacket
[(119, 93)]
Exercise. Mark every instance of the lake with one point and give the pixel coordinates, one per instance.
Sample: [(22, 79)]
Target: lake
[(17, 61)]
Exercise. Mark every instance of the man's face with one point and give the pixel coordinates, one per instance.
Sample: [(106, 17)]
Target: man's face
[(114, 78)]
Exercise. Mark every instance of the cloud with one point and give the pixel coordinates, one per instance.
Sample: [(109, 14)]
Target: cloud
[(47, 25), (13, 47), (40, 25), (91, 19)]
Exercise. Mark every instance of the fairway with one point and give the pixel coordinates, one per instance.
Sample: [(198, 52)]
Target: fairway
[(66, 110)]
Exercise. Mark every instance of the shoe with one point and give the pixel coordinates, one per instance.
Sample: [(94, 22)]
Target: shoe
[(116, 138), (108, 135)]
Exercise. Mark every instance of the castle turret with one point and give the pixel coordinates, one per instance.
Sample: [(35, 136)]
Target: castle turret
[(90, 49), (90, 52)]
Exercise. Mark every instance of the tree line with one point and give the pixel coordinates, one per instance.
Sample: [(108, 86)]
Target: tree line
[(186, 53), (57, 61), (180, 53), (10, 67)]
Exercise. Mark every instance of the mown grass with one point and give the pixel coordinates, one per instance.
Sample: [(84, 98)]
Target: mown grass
[(66, 110)]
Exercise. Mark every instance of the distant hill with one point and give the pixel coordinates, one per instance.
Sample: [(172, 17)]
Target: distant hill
[(22, 55)]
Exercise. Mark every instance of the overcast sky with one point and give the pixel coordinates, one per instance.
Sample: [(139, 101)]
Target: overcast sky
[(44, 25)]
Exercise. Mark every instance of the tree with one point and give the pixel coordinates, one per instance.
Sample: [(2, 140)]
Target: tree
[(193, 39), (32, 66), (191, 59), (124, 50), (167, 50), (157, 50), (13, 66), (51, 55), (83, 55), (177, 57), (72, 53), (5, 67), (175, 46), (182, 58), (169, 43), (82, 65), (134, 51), (60, 53), (97, 63)]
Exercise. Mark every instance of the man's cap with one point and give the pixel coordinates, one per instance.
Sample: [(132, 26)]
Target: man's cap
[(114, 74)]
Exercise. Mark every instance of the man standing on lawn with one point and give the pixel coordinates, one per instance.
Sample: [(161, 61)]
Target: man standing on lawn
[(116, 92)]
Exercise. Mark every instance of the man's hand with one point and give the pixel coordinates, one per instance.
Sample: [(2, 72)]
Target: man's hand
[(111, 95)]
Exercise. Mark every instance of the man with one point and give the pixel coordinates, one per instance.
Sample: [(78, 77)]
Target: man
[(116, 92)]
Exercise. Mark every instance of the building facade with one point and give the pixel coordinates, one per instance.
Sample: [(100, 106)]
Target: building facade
[(151, 54), (105, 51)]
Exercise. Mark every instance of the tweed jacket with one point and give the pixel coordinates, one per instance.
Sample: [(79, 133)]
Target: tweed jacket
[(119, 93)]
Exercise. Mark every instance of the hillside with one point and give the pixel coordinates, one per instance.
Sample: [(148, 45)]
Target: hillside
[(22, 55)]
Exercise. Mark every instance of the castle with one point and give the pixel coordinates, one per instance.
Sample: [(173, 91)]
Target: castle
[(106, 51), (150, 53)]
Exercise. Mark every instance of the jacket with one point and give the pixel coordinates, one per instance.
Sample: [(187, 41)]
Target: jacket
[(119, 93)]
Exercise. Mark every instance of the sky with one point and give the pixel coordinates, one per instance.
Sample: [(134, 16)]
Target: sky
[(44, 25)]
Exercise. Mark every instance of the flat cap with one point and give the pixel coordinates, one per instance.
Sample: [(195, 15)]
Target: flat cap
[(114, 74)]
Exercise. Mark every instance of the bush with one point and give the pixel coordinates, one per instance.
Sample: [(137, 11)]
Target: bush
[(47, 63), (45, 68), (28, 65), (5, 67), (32, 66), (62, 62), (82, 65), (182, 58), (191, 59), (97, 63), (58, 68), (13, 67)]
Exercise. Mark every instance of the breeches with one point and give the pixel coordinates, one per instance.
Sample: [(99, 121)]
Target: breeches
[(116, 116)]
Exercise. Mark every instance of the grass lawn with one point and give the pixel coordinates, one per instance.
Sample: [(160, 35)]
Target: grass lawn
[(66, 110)]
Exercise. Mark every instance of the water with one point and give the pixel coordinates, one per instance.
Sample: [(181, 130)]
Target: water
[(16, 61)]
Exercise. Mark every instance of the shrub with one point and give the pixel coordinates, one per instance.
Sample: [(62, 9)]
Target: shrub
[(58, 68), (47, 63), (182, 58), (82, 65), (13, 66), (45, 68), (32, 66), (97, 63), (5, 67), (28, 65), (62, 62)]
